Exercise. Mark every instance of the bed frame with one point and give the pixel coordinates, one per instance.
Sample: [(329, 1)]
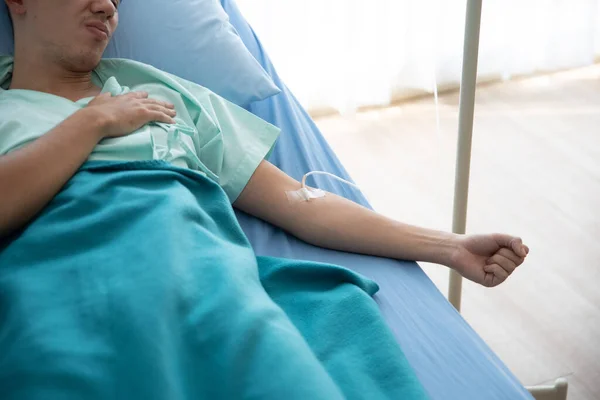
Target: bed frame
[(558, 391)]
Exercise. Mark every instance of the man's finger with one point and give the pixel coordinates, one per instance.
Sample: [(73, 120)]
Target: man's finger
[(508, 265), (512, 242), (518, 247), (160, 117), (165, 104), (511, 256), (489, 279), (503, 240), (499, 273), (137, 95), (162, 109)]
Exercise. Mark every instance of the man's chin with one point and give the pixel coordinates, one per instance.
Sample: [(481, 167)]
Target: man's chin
[(84, 62)]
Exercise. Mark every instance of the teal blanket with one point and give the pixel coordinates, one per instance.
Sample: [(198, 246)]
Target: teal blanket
[(137, 282)]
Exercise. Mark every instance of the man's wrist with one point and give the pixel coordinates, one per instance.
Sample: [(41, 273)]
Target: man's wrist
[(428, 245), (93, 121), (449, 246)]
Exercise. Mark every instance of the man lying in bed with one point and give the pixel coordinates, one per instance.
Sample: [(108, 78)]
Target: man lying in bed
[(109, 173)]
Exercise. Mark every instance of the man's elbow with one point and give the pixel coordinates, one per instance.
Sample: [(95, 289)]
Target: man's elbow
[(9, 221)]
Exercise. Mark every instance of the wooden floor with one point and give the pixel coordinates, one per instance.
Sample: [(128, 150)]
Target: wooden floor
[(535, 173)]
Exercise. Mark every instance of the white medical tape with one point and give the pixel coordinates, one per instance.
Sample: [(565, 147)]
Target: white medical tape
[(307, 194)]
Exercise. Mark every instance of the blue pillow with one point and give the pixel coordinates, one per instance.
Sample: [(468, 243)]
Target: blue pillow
[(6, 37), (189, 38)]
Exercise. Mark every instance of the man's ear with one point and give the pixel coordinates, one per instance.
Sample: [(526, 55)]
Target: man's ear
[(16, 7)]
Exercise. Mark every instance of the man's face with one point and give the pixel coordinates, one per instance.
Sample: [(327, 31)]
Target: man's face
[(74, 33)]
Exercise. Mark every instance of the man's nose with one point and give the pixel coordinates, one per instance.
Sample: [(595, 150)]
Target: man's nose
[(106, 7)]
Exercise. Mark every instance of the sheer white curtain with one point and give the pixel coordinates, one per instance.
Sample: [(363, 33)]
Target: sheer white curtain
[(350, 53)]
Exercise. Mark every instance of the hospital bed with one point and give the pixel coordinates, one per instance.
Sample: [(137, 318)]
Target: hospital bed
[(450, 359)]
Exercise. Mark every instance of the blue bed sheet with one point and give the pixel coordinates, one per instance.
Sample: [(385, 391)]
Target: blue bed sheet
[(450, 359)]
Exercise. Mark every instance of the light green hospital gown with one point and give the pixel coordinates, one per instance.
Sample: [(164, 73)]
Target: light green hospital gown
[(211, 135)]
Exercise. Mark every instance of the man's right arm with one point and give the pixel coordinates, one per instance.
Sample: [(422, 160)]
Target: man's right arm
[(31, 176)]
